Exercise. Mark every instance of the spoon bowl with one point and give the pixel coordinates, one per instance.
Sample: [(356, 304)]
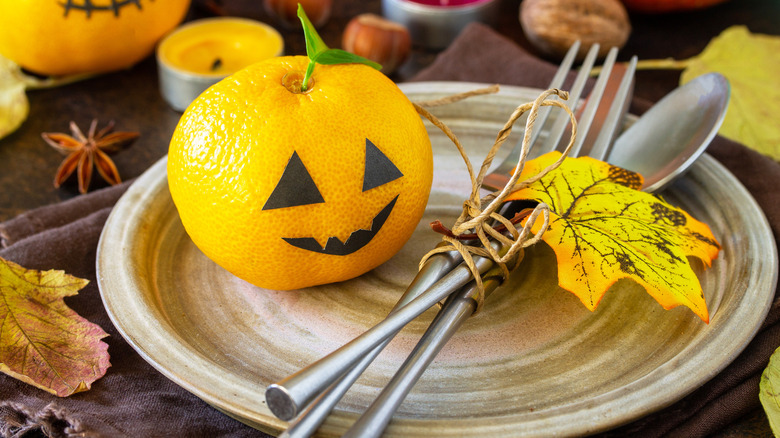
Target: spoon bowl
[(664, 143)]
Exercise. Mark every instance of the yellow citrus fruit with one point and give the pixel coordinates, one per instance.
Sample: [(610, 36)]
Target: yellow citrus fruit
[(291, 189), (64, 37)]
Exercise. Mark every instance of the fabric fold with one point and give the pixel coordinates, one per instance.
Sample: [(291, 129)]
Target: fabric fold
[(56, 215), (134, 399)]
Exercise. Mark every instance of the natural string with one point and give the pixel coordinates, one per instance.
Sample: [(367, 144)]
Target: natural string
[(476, 217)]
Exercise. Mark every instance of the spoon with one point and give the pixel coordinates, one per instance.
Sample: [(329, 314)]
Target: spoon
[(688, 118), (664, 143), (661, 145)]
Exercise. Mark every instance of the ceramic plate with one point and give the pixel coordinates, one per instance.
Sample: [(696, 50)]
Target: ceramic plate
[(533, 362)]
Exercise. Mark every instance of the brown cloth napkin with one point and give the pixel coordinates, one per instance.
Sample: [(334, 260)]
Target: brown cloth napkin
[(132, 399), (135, 400)]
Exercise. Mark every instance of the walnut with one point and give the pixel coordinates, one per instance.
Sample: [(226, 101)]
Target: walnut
[(552, 26)]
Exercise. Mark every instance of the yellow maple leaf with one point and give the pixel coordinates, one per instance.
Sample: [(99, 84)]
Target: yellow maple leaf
[(42, 341), (603, 229)]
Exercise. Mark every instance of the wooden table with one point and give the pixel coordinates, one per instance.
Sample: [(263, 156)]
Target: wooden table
[(131, 98)]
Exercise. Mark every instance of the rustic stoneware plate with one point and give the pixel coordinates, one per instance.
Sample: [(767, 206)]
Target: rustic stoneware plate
[(534, 362)]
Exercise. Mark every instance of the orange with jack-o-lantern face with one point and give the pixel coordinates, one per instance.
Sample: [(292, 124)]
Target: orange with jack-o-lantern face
[(288, 190)]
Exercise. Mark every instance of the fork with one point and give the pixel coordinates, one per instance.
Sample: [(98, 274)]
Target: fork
[(461, 305), (436, 281)]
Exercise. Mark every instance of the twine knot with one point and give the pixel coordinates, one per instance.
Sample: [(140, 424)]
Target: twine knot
[(480, 222)]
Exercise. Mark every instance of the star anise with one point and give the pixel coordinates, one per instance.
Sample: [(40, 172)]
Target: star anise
[(85, 152)]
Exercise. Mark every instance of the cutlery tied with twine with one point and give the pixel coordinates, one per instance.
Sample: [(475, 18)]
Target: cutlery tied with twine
[(480, 220)]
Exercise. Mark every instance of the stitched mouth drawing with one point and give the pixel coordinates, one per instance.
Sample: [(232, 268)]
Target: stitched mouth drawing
[(358, 239), (88, 7)]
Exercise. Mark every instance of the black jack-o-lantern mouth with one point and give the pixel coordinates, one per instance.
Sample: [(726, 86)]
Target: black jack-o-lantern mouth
[(296, 187), (89, 7), (358, 239)]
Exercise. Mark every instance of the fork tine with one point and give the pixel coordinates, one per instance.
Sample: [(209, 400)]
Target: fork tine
[(310, 420), (585, 121), (461, 305), (563, 69), (498, 176), (299, 385), (556, 82), (559, 126), (606, 138)]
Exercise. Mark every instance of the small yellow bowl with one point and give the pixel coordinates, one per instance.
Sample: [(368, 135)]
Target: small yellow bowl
[(201, 53)]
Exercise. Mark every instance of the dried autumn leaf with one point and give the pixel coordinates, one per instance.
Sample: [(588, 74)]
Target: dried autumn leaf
[(750, 62), (769, 392), (14, 105), (42, 341), (603, 229)]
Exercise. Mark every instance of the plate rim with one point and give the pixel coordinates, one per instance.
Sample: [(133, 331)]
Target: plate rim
[(260, 417)]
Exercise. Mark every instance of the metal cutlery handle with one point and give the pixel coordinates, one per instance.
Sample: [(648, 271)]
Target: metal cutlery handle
[(315, 413), (330, 378), (460, 307), (456, 311), (310, 419), (287, 397)]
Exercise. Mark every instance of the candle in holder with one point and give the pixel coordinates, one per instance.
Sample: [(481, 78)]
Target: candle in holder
[(435, 23), (203, 52)]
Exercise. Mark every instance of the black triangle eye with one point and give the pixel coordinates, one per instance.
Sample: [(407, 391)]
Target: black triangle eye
[(379, 169), (295, 187)]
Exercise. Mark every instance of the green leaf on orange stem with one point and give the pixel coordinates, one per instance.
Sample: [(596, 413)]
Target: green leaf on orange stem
[(42, 341), (314, 43), (603, 229), (318, 51), (338, 56)]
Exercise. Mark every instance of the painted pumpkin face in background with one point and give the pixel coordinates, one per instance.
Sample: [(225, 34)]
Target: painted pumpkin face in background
[(56, 38), (88, 7), (288, 190)]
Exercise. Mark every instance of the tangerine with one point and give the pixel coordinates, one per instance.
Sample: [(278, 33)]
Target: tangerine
[(71, 37), (288, 188)]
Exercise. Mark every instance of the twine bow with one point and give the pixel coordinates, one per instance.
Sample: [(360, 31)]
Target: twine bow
[(476, 221)]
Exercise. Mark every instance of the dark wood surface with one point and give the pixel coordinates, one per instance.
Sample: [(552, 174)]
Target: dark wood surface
[(131, 98)]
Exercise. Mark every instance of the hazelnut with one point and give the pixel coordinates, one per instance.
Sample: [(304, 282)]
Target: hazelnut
[(552, 26), (377, 39), (286, 11)]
